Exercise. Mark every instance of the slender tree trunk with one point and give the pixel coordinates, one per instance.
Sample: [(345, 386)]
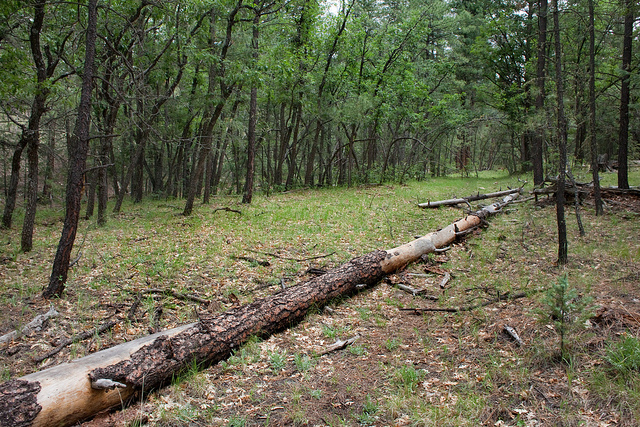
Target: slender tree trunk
[(593, 144), (215, 72), (562, 141), (26, 241), (78, 148), (293, 149), (253, 112), (91, 182), (623, 134), (49, 169), (538, 142), (103, 182), (30, 135)]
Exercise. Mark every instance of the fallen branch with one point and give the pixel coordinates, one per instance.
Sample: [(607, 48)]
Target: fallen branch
[(227, 210), (445, 280), (76, 338), (291, 259), (339, 345), (513, 334), (252, 260), (35, 325), (504, 297), (175, 294), (453, 202)]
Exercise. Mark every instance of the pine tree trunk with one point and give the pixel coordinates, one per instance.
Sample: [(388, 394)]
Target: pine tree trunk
[(78, 148)]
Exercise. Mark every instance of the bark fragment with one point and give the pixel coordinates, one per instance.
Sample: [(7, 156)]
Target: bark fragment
[(19, 403)]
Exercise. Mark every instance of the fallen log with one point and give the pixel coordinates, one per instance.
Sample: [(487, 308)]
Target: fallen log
[(71, 392), (468, 199)]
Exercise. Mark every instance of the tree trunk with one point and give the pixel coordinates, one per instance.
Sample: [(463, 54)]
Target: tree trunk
[(253, 113), (538, 142), (30, 135), (63, 395), (562, 141), (623, 134), (473, 198), (215, 72), (593, 144), (26, 241), (78, 148)]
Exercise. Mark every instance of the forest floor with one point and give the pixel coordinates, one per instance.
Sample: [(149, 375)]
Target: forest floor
[(431, 368)]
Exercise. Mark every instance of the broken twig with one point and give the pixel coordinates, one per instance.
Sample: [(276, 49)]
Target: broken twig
[(513, 334), (339, 345)]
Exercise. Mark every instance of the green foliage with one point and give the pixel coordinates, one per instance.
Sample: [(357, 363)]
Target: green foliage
[(303, 362), (277, 360), (566, 309), (624, 356), (408, 378), (237, 422), (369, 410), (392, 343)]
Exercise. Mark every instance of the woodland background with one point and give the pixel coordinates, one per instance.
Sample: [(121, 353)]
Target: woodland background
[(196, 98)]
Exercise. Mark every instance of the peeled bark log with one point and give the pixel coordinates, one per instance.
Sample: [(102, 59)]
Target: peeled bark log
[(71, 392), (453, 202)]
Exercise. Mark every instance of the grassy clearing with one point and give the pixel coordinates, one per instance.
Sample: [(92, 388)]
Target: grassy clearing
[(436, 369)]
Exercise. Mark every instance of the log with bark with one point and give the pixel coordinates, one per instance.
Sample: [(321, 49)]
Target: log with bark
[(71, 392)]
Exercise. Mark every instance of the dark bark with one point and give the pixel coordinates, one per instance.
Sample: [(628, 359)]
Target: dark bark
[(562, 141), (592, 113), (26, 240), (30, 137), (19, 403), (49, 170), (78, 147), (210, 341), (538, 141), (623, 134), (253, 113)]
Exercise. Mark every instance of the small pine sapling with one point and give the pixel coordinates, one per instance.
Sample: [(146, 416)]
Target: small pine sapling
[(567, 309)]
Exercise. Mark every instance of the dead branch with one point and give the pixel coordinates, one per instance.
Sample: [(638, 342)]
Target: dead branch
[(252, 260), (513, 334), (504, 297), (316, 271), (445, 280), (35, 325), (413, 291), (175, 294), (472, 198), (291, 259), (339, 345), (228, 210), (76, 338)]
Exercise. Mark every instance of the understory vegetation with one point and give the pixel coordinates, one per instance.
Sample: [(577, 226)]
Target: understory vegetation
[(579, 362)]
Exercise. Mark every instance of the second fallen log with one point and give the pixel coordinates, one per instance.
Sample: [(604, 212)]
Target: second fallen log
[(473, 198)]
